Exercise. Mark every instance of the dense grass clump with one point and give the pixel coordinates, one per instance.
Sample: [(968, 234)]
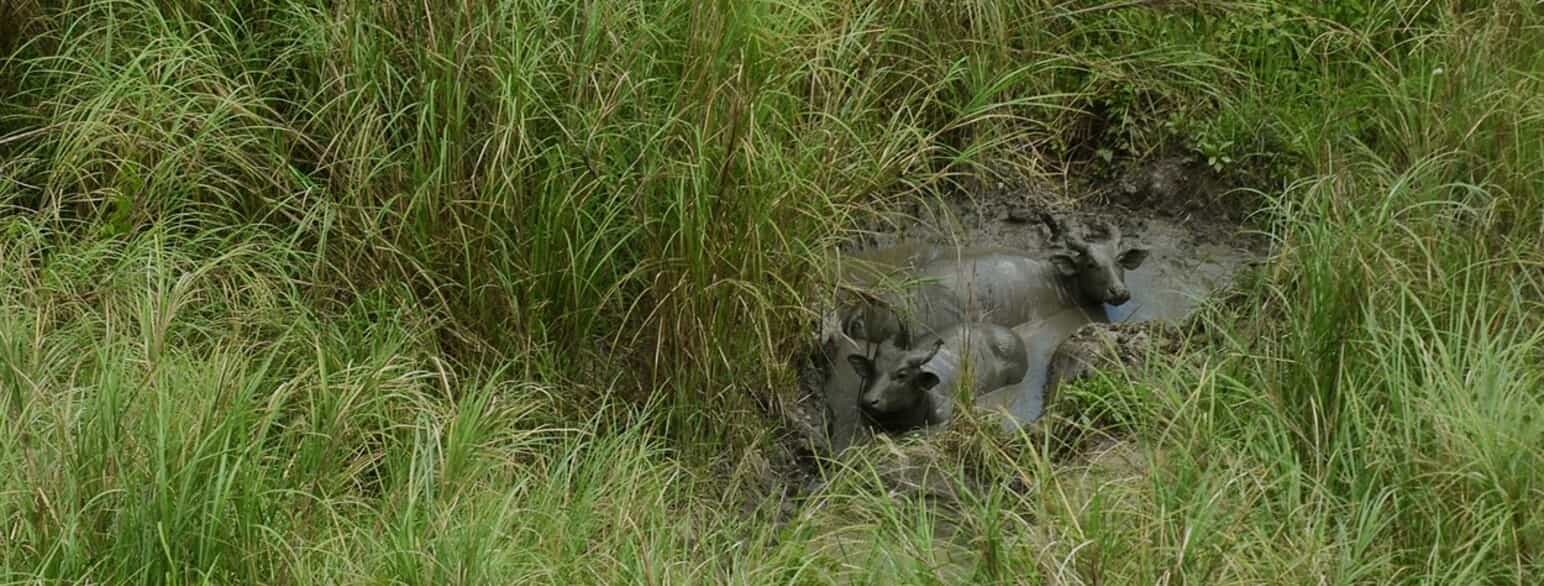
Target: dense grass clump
[(501, 292)]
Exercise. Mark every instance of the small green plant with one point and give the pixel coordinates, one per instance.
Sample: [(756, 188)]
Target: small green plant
[(1209, 138), (1217, 152)]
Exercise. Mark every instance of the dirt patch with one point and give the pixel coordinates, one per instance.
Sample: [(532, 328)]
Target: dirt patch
[(1174, 189), (1179, 185)]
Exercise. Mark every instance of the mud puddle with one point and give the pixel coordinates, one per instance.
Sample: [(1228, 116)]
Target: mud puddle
[(1189, 260), (1171, 205)]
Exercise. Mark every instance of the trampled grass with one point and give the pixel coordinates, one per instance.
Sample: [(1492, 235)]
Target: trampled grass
[(499, 292)]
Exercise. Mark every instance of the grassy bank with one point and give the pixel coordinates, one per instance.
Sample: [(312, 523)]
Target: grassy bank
[(496, 292)]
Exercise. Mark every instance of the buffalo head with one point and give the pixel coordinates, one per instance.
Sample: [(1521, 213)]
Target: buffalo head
[(1098, 266)]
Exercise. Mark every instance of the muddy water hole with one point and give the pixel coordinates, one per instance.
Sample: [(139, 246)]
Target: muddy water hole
[(1198, 244)]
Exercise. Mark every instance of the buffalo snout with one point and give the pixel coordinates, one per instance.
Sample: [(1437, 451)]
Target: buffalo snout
[(873, 400)]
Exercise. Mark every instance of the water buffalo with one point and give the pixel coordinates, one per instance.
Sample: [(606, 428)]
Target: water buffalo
[(929, 289), (907, 387), (919, 289)]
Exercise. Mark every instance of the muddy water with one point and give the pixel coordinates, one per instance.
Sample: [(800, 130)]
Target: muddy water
[(1178, 275), (1026, 400), (1182, 269)]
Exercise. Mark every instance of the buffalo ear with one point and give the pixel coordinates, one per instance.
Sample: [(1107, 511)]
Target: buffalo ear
[(1065, 263), (862, 364), (926, 380), (1132, 258)]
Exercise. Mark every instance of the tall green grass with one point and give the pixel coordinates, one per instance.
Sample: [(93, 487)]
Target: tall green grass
[(545, 174), (405, 292)]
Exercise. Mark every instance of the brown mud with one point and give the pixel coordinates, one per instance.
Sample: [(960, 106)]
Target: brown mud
[(1189, 217)]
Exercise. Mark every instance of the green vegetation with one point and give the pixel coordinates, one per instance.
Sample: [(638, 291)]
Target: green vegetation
[(299, 292)]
